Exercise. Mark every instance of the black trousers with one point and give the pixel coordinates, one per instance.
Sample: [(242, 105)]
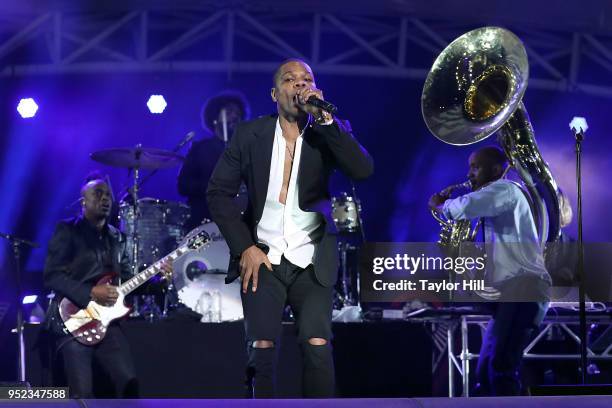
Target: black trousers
[(112, 355), (311, 304), (502, 347)]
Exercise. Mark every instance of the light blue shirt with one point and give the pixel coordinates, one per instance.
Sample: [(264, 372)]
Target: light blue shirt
[(510, 232)]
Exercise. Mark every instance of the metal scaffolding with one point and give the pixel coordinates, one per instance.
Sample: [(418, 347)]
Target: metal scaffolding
[(230, 38), (566, 325)]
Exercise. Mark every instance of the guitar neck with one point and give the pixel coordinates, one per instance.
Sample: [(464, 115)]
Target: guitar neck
[(137, 280)]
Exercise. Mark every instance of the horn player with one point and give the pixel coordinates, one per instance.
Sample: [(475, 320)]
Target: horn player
[(515, 267)]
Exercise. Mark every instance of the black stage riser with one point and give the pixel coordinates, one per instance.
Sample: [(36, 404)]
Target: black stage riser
[(178, 359)]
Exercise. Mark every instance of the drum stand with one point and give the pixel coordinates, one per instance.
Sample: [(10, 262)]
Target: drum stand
[(350, 290), (134, 194), (350, 294)]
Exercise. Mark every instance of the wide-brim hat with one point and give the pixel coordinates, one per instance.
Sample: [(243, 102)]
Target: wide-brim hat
[(214, 104)]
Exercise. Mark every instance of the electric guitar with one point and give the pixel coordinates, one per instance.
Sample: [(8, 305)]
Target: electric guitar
[(89, 325)]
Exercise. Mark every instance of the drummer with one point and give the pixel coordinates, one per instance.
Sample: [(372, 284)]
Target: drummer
[(220, 116)]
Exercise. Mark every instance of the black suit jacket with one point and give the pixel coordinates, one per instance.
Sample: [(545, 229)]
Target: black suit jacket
[(77, 257), (248, 159)]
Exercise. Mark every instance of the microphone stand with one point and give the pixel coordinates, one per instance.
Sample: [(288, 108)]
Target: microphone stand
[(17, 243), (579, 135)]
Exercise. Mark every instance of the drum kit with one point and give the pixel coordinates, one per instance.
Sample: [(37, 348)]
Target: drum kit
[(155, 227)]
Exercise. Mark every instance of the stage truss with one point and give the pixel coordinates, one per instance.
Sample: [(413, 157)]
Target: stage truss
[(565, 324), (229, 38)]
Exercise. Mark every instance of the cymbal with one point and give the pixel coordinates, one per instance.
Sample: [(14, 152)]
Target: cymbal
[(137, 158)]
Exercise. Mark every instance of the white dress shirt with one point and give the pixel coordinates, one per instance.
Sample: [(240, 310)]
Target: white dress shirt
[(285, 228), (510, 232)]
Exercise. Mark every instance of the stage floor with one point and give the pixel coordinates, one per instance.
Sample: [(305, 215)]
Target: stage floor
[(498, 402)]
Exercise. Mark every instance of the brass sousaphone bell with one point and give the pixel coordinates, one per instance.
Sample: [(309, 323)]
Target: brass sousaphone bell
[(474, 89)]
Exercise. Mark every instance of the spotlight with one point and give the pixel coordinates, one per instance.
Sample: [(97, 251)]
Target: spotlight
[(579, 125), (156, 103), (29, 299), (27, 108)]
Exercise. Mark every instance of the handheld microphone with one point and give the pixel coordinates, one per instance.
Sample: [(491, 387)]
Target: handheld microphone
[(320, 103)]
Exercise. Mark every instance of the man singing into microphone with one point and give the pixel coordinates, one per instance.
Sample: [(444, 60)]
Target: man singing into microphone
[(283, 248)]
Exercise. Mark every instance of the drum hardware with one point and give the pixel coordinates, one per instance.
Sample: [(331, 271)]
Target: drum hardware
[(158, 229), (135, 159), (149, 309), (135, 236), (135, 313), (179, 158), (346, 213), (165, 160), (348, 286), (153, 301)]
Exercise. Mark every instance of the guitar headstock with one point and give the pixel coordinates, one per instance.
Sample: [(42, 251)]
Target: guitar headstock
[(197, 240)]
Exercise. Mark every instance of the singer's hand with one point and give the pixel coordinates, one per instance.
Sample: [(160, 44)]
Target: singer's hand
[(250, 263), (302, 96)]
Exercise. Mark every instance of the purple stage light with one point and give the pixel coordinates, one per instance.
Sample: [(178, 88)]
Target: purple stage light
[(27, 108), (157, 103), (29, 299)]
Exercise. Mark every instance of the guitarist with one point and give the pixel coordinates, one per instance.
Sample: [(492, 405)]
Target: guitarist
[(80, 252)]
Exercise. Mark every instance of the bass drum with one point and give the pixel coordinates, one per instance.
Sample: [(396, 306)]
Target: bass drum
[(199, 277)]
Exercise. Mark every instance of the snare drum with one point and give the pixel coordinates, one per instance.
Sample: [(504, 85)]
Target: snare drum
[(345, 212)]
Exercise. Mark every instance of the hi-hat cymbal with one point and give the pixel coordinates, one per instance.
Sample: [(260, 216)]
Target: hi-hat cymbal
[(137, 158)]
